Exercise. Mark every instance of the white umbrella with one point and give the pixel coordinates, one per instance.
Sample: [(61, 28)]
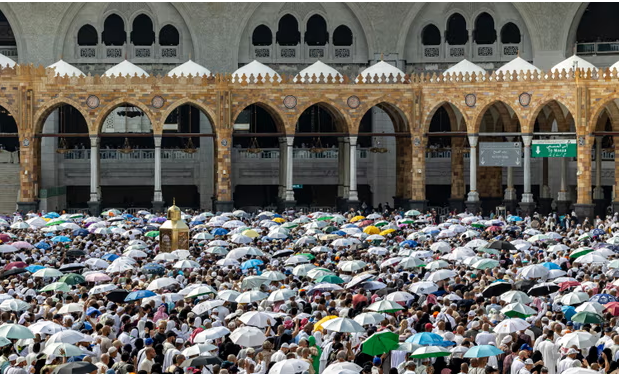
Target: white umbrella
[(511, 325), (273, 275), (475, 244), (591, 258), (60, 349), (369, 318), (198, 349), (441, 275), (248, 336), (290, 366), (228, 295), (251, 296), (594, 307), (201, 290), (227, 262), (20, 225), (384, 305), (423, 287), (437, 264), (515, 296), (69, 337), (399, 296), (240, 239), (96, 263), (166, 257), (574, 298), (181, 253), (204, 307), (161, 283), (211, 334), (534, 271), (558, 247), (47, 272), (257, 319), (102, 289), (71, 308), (343, 325), (410, 262), (185, 264), (46, 326), (280, 295), (343, 368), (119, 267), (296, 259), (351, 265), (14, 305), (441, 247), (580, 339)]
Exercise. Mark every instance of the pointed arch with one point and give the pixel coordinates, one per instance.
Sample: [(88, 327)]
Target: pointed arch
[(557, 107), (342, 121), (41, 115), (451, 107), (198, 105), (480, 114), (400, 119), (12, 111), (97, 125), (271, 110)]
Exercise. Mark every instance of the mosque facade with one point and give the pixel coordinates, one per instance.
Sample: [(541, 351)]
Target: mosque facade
[(314, 105)]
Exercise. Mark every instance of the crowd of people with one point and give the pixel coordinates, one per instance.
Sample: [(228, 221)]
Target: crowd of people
[(322, 293)]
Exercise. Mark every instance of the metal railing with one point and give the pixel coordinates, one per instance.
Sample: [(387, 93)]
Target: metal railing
[(9, 51), (442, 154), (298, 153), (606, 154), (597, 48), (140, 154)]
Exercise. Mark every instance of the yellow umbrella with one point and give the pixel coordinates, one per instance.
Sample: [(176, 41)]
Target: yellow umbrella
[(371, 230), (387, 231), (250, 233), (357, 218), (318, 325), (279, 220)]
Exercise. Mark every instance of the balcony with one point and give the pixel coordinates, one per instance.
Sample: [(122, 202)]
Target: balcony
[(140, 154), (597, 48), (9, 51), (302, 53), (298, 154)]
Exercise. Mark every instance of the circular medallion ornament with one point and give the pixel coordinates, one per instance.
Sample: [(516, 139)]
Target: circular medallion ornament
[(353, 102), (157, 102), (416, 141), (290, 101), (525, 99), (92, 102), (470, 100), (224, 142), (26, 142), (582, 141)]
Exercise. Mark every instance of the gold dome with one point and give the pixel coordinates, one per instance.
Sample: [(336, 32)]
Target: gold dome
[(174, 212)]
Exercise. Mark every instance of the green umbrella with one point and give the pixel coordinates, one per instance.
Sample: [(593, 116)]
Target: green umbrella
[(613, 264), (380, 343), (413, 213), (483, 264), (289, 225), (332, 279), (323, 218), (72, 279), (15, 331), (56, 287), (381, 223), (57, 222), (309, 256), (330, 229), (518, 310), (430, 352), (76, 216), (406, 221), (152, 233), (581, 251), (478, 225), (587, 317), (489, 251)]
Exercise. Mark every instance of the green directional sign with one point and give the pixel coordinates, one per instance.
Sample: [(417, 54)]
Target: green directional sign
[(554, 148)]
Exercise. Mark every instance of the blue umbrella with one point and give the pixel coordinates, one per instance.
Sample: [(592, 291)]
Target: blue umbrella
[(219, 232), (51, 215), (139, 294), (350, 226), (277, 215), (550, 266), (597, 232), (196, 222), (61, 239), (428, 338), (603, 298), (80, 232), (91, 310), (42, 245), (339, 233), (568, 311), (515, 218), (251, 263), (110, 257), (154, 268), (128, 216), (34, 268), (410, 243), (482, 351)]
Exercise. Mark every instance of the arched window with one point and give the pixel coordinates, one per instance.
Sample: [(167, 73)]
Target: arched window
[(343, 36), (456, 33), (169, 36), (6, 36), (484, 30), (510, 34), (431, 35), (142, 33), (288, 31), (316, 31), (114, 31), (599, 23), (262, 36), (87, 36)]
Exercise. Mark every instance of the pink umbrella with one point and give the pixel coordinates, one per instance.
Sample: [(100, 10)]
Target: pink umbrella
[(97, 277), (22, 245)]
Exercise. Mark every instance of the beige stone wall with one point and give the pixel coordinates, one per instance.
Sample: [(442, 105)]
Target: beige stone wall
[(32, 93)]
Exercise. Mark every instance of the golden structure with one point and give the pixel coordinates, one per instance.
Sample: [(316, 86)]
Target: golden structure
[(575, 100), (174, 233)]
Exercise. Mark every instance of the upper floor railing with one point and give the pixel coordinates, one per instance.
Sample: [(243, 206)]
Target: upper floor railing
[(9, 51), (597, 48), (298, 153), (138, 154)]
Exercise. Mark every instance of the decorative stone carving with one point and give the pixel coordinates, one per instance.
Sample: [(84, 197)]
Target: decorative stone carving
[(353, 102), (470, 100), (157, 102), (431, 51), (290, 101), (92, 102)]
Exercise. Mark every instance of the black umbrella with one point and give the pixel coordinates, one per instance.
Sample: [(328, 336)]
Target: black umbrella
[(11, 272), (79, 367), (198, 362), (385, 291), (76, 253), (525, 285), (496, 289), (282, 253), (543, 289), (71, 267), (117, 296), (501, 245)]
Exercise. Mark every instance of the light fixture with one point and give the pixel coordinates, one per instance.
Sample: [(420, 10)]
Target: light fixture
[(126, 147), (62, 148), (377, 149), (190, 148), (317, 146), (254, 146)]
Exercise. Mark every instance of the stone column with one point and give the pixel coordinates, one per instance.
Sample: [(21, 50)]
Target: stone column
[(345, 171), (527, 203), (457, 189), (28, 173), (416, 193), (158, 200), (545, 192), (282, 169), (473, 198), (289, 195), (598, 195), (584, 207), (94, 204), (353, 199), (616, 190), (510, 194), (223, 183), (340, 167), (563, 202)]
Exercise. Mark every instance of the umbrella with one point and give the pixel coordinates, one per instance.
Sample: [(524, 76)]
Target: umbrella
[(61, 239), (251, 296), (515, 296), (248, 336), (78, 367), (72, 279), (482, 351), (343, 325), (117, 296), (198, 349), (423, 287), (585, 317), (228, 295), (574, 298), (14, 271), (543, 289), (380, 343), (511, 325), (257, 319), (332, 279), (518, 310), (47, 272), (612, 308), (200, 361), (369, 318), (441, 275), (60, 349), (138, 295), (161, 283), (152, 234), (497, 289), (385, 306), (343, 368), (15, 331), (68, 337), (56, 287), (534, 271), (14, 305), (427, 338), (290, 366), (581, 340), (430, 352), (212, 334)]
